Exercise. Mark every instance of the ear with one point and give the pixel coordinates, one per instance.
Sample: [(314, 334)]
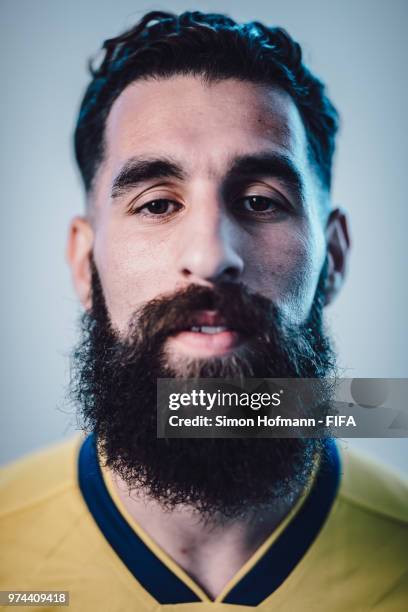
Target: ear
[(78, 253), (338, 248)]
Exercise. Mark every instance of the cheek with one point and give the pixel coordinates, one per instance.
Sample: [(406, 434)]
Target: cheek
[(132, 270), (286, 267)]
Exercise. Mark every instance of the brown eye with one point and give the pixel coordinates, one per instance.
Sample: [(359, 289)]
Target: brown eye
[(158, 207), (256, 204), (161, 209)]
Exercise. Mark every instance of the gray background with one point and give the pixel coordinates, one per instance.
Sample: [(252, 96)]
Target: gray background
[(358, 48)]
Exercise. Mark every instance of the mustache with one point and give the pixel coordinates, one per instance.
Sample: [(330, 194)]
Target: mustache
[(239, 309), (272, 341)]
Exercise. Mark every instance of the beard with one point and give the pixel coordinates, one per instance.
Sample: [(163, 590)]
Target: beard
[(114, 380)]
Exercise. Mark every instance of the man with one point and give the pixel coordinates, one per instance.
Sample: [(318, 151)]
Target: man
[(209, 248)]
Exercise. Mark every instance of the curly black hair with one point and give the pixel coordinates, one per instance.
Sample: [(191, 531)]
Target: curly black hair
[(214, 46)]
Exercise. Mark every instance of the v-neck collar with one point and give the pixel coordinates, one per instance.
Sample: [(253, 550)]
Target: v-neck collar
[(266, 575)]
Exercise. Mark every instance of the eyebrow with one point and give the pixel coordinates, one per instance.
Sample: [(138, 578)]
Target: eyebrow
[(138, 170)]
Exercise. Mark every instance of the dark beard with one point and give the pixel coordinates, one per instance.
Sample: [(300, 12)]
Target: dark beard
[(114, 383)]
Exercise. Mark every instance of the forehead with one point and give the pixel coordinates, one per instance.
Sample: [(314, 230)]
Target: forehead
[(203, 125)]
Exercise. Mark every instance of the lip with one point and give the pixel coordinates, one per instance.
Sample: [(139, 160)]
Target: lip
[(210, 318), (198, 344), (206, 345)]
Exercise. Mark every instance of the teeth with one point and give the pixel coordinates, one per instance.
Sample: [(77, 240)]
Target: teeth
[(208, 329)]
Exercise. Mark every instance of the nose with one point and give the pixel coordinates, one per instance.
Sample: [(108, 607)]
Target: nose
[(210, 250)]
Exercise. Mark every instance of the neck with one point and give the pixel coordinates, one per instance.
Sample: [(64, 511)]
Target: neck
[(210, 551)]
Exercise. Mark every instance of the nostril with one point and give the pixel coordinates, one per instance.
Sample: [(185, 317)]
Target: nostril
[(231, 272)]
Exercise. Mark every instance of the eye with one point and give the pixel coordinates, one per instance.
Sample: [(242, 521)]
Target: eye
[(158, 208), (260, 205)]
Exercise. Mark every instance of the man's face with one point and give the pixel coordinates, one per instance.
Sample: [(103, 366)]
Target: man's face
[(240, 201), (204, 254)]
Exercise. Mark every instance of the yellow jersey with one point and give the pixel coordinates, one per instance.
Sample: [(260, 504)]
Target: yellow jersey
[(63, 528)]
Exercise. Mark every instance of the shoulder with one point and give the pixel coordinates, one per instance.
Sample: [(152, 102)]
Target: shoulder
[(373, 488), (368, 531), (38, 478), (40, 504), (367, 534), (360, 556)]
